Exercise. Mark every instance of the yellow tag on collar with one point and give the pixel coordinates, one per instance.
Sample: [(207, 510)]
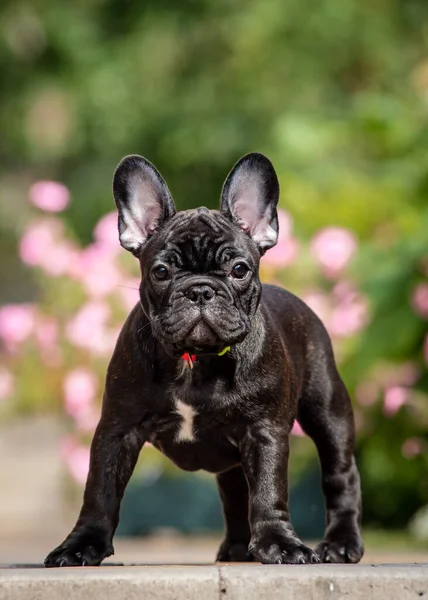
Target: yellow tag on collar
[(224, 351)]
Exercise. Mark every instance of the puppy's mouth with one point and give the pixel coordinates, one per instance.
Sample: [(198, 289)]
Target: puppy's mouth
[(198, 332), (201, 339)]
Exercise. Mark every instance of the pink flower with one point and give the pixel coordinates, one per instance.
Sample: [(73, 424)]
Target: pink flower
[(318, 301), (40, 238), (286, 250), (412, 447), (42, 246), (350, 310), (344, 313), (97, 271), (297, 430), (76, 458), (106, 232), (283, 254), (395, 397), (333, 248), (58, 262), (16, 323), (80, 388), (344, 291), (7, 383), (348, 318), (420, 300), (88, 329), (49, 196)]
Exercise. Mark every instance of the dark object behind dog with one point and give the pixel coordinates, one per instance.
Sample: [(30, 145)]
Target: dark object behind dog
[(171, 380)]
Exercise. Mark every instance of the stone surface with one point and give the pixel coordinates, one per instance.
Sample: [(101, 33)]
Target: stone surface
[(216, 582), (325, 582), (127, 583)]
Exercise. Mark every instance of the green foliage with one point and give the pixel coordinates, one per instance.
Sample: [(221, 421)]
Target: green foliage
[(333, 92)]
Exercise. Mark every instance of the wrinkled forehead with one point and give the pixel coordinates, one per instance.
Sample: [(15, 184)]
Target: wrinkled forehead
[(199, 222), (202, 237)]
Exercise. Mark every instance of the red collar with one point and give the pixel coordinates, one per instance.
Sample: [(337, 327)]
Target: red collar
[(189, 358)]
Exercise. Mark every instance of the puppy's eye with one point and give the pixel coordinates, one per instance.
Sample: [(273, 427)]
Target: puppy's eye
[(161, 273), (240, 271)]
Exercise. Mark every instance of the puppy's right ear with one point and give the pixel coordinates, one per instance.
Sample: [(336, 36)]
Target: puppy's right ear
[(142, 199)]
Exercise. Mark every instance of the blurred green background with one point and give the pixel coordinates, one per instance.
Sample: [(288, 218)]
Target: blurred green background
[(335, 93)]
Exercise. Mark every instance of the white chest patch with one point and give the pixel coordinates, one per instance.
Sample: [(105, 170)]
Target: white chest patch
[(187, 413)]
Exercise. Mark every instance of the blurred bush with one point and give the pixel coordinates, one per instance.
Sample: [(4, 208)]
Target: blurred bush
[(336, 94)]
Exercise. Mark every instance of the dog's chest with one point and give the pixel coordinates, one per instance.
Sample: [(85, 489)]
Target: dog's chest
[(195, 434), (186, 423), (194, 410), (194, 421)]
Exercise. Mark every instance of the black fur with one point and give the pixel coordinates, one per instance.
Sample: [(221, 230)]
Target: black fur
[(280, 367)]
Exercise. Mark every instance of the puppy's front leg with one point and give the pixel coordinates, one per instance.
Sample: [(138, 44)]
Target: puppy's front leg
[(114, 454), (264, 457)]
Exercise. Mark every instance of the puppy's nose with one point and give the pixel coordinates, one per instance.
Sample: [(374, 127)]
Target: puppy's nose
[(200, 293)]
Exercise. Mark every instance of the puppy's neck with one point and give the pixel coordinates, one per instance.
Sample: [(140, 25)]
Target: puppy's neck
[(225, 363)]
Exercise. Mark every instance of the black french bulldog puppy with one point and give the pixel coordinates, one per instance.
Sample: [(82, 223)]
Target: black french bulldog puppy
[(213, 368)]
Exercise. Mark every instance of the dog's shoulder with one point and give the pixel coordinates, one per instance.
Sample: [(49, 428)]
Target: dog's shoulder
[(284, 308), (278, 299)]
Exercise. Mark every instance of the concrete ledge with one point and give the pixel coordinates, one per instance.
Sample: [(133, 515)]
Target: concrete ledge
[(316, 582), (326, 582)]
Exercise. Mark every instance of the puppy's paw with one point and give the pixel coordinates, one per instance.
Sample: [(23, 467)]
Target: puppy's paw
[(234, 552), (286, 552), (80, 549), (341, 550)]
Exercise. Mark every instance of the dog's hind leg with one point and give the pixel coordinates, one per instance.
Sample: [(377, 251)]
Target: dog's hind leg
[(325, 414), (233, 489)]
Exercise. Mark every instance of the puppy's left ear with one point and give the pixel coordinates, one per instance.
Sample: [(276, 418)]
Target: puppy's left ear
[(249, 198), (142, 199)]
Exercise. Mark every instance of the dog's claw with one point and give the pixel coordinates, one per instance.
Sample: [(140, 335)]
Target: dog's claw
[(286, 552), (338, 552), (83, 561), (81, 549)]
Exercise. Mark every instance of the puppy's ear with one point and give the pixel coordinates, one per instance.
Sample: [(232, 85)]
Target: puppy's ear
[(142, 199), (249, 198)]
